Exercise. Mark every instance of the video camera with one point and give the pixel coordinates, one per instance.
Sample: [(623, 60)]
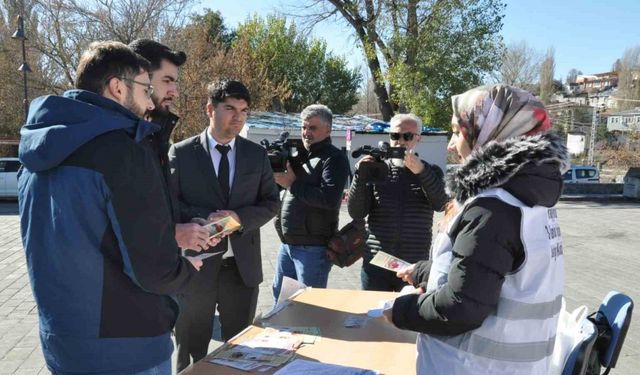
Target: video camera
[(378, 171), (382, 152), (282, 150)]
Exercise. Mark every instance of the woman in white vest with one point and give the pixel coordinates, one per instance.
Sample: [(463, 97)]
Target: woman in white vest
[(490, 296)]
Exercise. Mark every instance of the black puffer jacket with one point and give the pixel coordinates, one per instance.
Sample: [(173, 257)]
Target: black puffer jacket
[(400, 211), (486, 235), (310, 207)]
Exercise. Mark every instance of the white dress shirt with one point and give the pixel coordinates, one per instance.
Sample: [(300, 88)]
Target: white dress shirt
[(215, 157)]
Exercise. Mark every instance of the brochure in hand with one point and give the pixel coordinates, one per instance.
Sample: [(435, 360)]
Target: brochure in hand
[(389, 262), (222, 227)]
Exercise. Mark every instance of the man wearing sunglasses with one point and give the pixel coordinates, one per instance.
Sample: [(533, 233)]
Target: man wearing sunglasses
[(399, 211)]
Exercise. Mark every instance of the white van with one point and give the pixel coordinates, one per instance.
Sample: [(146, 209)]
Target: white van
[(582, 174), (9, 177)]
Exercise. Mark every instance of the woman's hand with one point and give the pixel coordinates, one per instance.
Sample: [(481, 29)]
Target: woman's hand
[(405, 274)]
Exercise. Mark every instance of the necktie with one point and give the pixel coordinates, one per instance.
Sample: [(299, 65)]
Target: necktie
[(223, 169)]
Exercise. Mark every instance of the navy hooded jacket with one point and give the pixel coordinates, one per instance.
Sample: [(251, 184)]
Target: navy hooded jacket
[(98, 236)]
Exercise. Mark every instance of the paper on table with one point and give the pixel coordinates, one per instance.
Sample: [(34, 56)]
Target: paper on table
[(356, 320), (243, 353), (276, 309), (388, 262), (309, 334), (289, 288), (239, 364), (272, 341), (378, 312), (304, 367)]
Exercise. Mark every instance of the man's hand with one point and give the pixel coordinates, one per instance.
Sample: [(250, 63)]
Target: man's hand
[(285, 179), (412, 162), (220, 214), (213, 241), (405, 274), (192, 236), (196, 263), (365, 159)]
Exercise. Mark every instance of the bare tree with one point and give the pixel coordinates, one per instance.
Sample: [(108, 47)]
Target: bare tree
[(572, 76), (520, 66), (628, 93), (66, 27), (547, 71), (11, 80), (367, 103), (127, 20), (209, 60), (417, 51)]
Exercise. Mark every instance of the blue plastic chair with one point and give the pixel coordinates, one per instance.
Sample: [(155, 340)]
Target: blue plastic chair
[(578, 359), (612, 319)]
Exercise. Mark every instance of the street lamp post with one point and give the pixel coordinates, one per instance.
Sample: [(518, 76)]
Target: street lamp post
[(24, 68)]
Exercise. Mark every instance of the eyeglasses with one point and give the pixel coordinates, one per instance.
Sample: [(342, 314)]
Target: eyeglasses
[(148, 87), (406, 136)]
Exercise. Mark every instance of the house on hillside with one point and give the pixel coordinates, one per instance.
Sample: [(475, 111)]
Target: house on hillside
[(592, 90), (595, 82), (625, 127), (625, 121)]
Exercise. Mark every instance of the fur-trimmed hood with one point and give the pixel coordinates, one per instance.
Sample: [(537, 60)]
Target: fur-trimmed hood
[(530, 168)]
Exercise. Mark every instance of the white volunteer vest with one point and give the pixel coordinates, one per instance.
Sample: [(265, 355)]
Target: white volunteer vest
[(519, 337)]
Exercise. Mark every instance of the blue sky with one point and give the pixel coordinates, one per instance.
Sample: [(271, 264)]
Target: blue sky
[(588, 35)]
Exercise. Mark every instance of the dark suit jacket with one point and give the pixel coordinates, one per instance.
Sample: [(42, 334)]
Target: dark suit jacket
[(253, 196)]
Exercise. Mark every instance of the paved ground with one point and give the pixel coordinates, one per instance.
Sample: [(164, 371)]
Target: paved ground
[(601, 254)]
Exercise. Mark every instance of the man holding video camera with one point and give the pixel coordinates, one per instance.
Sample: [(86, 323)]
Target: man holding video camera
[(308, 216), (399, 207)]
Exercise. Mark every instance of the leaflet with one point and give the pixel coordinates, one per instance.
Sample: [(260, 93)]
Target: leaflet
[(270, 348), (305, 367), (222, 227), (204, 256), (389, 262)]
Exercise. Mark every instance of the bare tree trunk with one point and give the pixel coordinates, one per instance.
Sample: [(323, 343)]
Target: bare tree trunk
[(379, 88), (412, 32), (365, 30), (547, 71)]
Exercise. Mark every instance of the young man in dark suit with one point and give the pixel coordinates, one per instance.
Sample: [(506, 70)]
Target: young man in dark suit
[(218, 174)]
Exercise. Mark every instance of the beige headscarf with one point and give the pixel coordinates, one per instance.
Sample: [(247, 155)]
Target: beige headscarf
[(498, 112)]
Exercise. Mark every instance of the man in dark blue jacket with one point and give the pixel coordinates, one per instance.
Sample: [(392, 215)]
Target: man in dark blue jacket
[(96, 226)]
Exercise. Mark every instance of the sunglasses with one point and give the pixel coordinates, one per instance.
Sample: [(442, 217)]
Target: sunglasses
[(406, 136)]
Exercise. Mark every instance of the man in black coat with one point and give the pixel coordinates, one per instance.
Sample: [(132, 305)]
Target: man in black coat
[(308, 217), (165, 64), (218, 174), (400, 209)]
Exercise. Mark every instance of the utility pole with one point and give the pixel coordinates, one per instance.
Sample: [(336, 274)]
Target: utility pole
[(571, 123), (20, 35), (592, 138)]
